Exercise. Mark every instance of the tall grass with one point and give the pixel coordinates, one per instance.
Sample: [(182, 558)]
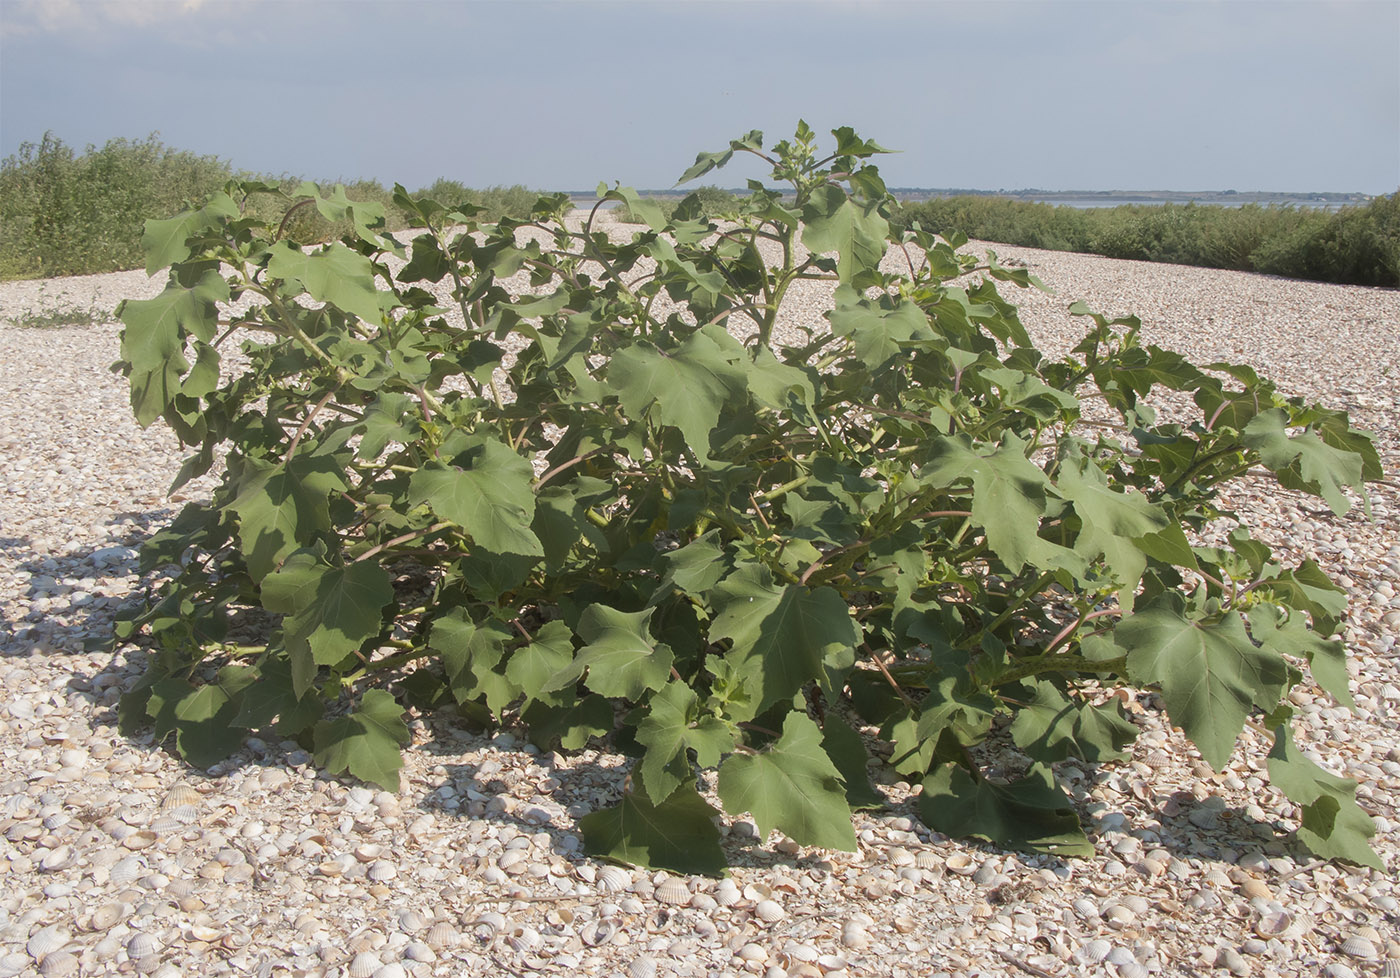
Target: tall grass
[(1356, 245), (64, 213)]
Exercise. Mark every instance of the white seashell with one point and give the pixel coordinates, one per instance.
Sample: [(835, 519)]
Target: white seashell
[(59, 964), (927, 859), (1132, 969), (703, 902), (142, 839), (960, 863), (442, 934), (166, 824), (769, 911), (14, 964), (166, 970), (364, 964), (368, 852), (1371, 934), (488, 925), (673, 891), (106, 916), (757, 891), (56, 859), (523, 938), (391, 970), (1218, 877), (206, 934), (382, 870), (642, 966), (614, 879), (47, 940), (1273, 924), (597, 932), (141, 945), (180, 796), (1391, 968), (853, 935), (1094, 952), (727, 893), (1086, 908), (418, 951), (411, 922), (127, 870), (1357, 946)]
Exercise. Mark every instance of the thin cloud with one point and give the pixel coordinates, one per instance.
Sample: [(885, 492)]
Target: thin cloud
[(88, 16)]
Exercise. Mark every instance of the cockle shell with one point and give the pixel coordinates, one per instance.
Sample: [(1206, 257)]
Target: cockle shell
[(488, 925), (961, 863), (1094, 952), (523, 938), (1132, 969), (442, 934), (14, 964), (127, 870), (419, 951), (382, 870), (613, 879), (180, 796), (1273, 924), (411, 922), (1357, 946), (642, 966), (727, 893), (59, 964), (364, 964), (596, 932), (106, 916), (926, 859), (47, 940), (141, 945), (1391, 968), (673, 891), (769, 911)]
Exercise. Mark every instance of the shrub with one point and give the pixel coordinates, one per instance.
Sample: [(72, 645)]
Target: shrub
[(719, 551), (705, 202)]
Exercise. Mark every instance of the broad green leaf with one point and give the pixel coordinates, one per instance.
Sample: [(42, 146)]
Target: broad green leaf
[(201, 717), (153, 339), (1210, 672), (574, 722), (1112, 522), (366, 742), (833, 222), (620, 657), (1054, 726), (791, 786), (770, 381), (335, 274), (488, 491), (697, 567), (164, 241), (677, 834), (470, 653), (1031, 814), (847, 751), (879, 328), (1321, 469), (330, 611), (784, 636), (277, 699), (1308, 588), (684, 388), (675, 725), (1327, 660), (282, 507), (550, 652), (1333, 826)]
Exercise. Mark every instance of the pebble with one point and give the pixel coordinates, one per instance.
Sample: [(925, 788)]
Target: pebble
[(107, 839)]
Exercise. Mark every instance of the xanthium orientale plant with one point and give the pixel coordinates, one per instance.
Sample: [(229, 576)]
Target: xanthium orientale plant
[(609, 505)]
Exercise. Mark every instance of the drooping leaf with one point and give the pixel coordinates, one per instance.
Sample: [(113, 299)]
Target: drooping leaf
[(165, 241), (365, 742), (276, 698), (677, 834), (1054, 726), (548, 654), (1210, 671), (620, 657), (153, 339), (1327, 660), (833, 222), (792, 786), (783, 635), (673, 726), (201, 717), (330, 610), (1319, 467), (1333, 825), (573, 721), (335, 274), (847, 751), (470, 652), (1030, 814), (282, 507)]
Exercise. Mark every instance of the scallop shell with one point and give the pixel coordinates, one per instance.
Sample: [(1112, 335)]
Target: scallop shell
[(47, 940), (1132, 969), (727, 893), (1357, 946), (523, 938), (961, 863), (1094, 952), (442, 934), (14, 964), (418, 951), (703, 902), (769, 911), (166, 824), (1391, 968), (141, 945), (60, 964), (56, 859), (642, 966), (673, 891), (180, 796), (926, 859), (382, 870), (364, 964), (597, 932), (614, 879), (1217, 877), (1086, 908)]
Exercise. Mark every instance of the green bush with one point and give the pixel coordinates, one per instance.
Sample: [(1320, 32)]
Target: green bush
[(1354, 245), (707, 202), (719, 552)]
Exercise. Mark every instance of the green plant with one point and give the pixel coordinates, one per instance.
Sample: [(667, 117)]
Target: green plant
[(705, 202), (653, 522), (60, 317)]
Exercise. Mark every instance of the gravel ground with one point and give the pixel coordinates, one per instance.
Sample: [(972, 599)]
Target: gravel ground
[(117, 858)]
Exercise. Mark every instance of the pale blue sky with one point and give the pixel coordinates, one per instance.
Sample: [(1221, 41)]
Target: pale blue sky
[(1118, 94)]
